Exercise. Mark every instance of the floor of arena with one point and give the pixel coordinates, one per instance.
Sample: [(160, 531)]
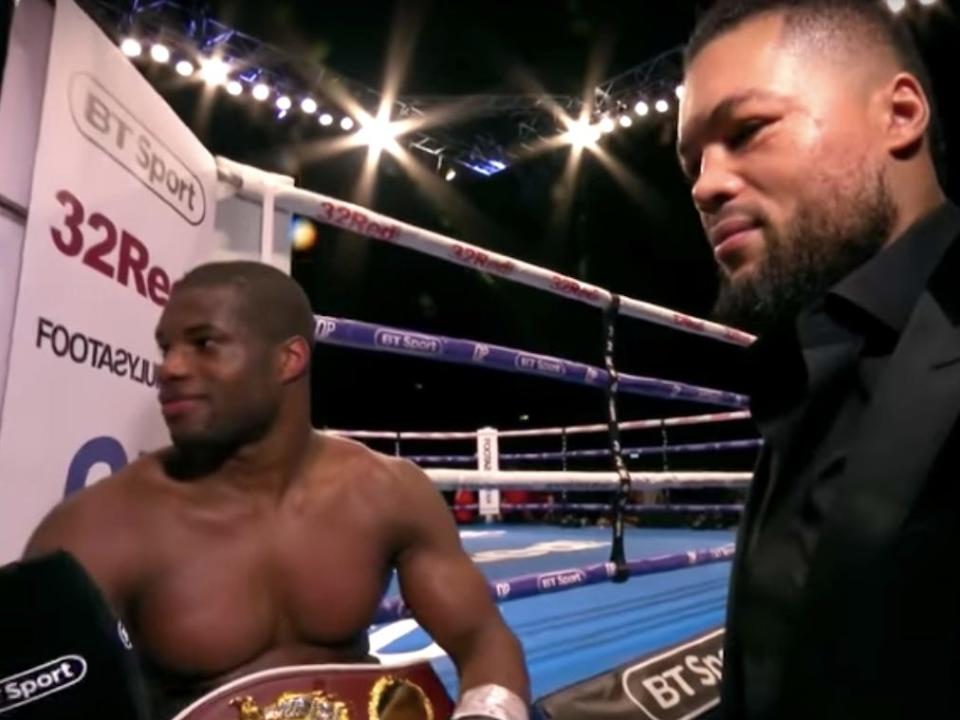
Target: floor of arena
[(571, 635)]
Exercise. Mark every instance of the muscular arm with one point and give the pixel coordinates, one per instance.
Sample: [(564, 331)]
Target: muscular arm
[(448, 595), (82, 526)]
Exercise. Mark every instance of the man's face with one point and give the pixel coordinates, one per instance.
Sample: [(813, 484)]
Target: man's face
[(786, 168), (215, 380)]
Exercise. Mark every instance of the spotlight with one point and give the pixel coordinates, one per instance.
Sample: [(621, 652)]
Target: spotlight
[(160, 53), (260, 92), (185, 68), (625, 121), (234, 87), (377, 132), (607, 125), (662, 106), (308, 105), (896, 6), (347, 123), (582, 134), (284, 103), (641, 109), (214, 71), (326, 119), (928, 3), (451, 174), (680, 91), (131, 47)]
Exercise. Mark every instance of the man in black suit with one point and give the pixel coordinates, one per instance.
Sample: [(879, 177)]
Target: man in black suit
[(808, 134)]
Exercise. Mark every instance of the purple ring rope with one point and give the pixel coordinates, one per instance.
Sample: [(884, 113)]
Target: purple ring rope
[(394, 608), (369, 336)]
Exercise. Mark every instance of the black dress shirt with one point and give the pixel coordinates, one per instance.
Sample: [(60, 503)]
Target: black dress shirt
[(813, 385)]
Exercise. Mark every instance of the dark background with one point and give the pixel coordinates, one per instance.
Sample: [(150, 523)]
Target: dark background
[(646, 244)]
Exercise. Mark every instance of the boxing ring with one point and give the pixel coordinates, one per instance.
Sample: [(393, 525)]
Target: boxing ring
[(582, 598)]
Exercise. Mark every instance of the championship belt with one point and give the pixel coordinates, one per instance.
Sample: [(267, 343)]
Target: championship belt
[(328, 692)]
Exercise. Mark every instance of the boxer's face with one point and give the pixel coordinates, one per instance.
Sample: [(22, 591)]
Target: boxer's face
[(783, 156), (215, 379)]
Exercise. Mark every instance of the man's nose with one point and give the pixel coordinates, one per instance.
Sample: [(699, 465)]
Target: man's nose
[(174, 366), (717, 182)]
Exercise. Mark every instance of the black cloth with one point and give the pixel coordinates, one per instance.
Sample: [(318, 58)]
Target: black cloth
[(63, 654), (855, 502)]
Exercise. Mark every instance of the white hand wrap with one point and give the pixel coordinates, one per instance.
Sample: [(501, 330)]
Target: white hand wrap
[(490, 701)]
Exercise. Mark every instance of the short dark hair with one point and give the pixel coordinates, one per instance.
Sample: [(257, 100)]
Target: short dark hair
[(869, 21), (273, 303)]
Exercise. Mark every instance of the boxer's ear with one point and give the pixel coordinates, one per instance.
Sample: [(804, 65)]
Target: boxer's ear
[(294, 359)]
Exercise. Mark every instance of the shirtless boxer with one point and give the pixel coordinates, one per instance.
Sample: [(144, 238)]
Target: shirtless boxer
[(254, 542)]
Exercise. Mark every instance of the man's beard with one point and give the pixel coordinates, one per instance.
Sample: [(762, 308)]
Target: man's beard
[(827, 240)]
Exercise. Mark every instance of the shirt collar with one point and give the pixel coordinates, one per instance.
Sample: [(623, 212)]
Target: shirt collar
[(888, 285)]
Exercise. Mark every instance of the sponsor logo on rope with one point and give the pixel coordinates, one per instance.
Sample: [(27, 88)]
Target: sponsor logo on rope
[(40, 681), (502, 589), (109, 125), (499, 264), (480, 352), (408, 342), (680, 683), (690, 323), (324, 327), (561, 579), (541, 364)]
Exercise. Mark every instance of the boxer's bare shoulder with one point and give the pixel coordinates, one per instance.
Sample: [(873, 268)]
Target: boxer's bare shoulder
[(101, 526)]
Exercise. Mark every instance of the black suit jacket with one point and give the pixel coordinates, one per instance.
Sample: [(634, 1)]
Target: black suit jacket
[(878, 634)]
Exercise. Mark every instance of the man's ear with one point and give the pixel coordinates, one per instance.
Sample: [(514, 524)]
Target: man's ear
[(294, 359), (907, 113)]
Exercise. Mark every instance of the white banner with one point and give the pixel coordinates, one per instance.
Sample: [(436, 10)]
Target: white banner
[(122, 203)]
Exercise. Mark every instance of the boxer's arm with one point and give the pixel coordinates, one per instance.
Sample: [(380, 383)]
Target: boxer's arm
[(81, 528), (449, 596)]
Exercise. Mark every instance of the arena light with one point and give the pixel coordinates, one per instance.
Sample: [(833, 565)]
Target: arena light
[(308, 105), (303, 234), (625, 121), (347, 123), (928, 3), (284, 103), (214, 71), (160, 53), (679, 92), (581, 134), (896, 6), (451, 175), (326, 119), (234, 87), (641, 109), (131, 47), (606, 124), (662, 106), (378, 133), (185, 68), (260, 92)]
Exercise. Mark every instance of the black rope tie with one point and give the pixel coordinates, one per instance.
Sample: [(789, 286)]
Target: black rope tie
[(664, 446), (622, 495)]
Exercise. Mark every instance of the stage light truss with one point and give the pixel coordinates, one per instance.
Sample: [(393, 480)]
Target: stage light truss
[(487, 133)]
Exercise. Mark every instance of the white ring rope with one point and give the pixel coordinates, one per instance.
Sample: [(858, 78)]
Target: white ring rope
[(455, 479), (368, 223)]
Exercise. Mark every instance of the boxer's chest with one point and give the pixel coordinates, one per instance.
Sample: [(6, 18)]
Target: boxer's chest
[(226, 594)]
